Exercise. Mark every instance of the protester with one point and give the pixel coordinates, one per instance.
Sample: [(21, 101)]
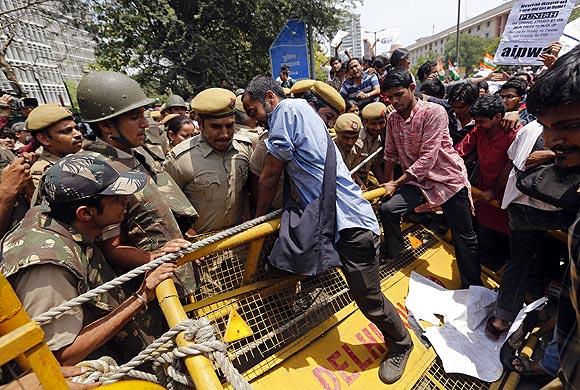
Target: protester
[(284, 77), (418, 140), (361, 87), (427, 71), (513, 94), (461, 97), (179, 128), (299, 146), (555, 101)]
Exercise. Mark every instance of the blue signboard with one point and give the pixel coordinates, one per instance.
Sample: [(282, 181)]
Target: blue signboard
[(290, 48)]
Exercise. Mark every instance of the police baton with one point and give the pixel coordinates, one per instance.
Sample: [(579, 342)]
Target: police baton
[(366, 160)]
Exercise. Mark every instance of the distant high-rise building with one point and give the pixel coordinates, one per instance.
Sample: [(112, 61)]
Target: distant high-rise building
[(46, 51), (353, 41)]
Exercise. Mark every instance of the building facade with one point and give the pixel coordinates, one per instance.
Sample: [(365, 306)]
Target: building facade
[(489, 24), (46, 51), (353, 41)]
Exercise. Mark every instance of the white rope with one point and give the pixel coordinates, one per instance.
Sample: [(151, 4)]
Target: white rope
[(167, 359), (56, 312)]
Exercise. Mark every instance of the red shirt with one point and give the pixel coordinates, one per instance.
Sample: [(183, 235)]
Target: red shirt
[(423, 147), (492, 157)]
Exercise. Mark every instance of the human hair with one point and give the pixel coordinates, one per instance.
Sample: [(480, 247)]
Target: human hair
[(487, 107), (66, 212), (433, 88), (516, 83), (284, 69), (379, 62), (397, 78), (350, 104), (529, 77), (483, 85), (558, 85), (351, 60), (425, 70), (335, 59), (464, 92), (175, 124), (311, 98), (259, 86), (241, 117)]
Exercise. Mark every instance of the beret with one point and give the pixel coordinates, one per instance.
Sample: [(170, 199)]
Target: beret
[(46, 115), (214, 102), (329, 96), (374, 110), (302, 86), (348, 123)]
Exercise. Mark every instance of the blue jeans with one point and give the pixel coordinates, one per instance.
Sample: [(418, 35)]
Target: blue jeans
[(551, 360)]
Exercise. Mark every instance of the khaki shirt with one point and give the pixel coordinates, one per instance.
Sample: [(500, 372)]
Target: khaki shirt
[(213, 181), (45, 161), (257, 164), (369, 146), (353, 156), (252, 133)]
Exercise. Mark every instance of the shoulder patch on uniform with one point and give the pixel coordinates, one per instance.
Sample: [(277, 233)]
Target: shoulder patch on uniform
[(183, 147)]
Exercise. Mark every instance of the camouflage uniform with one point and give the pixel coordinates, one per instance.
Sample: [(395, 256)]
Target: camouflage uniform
[(213, 181), (156, 142), (21, 204), (149, 222), (45, 161), (41, 241)]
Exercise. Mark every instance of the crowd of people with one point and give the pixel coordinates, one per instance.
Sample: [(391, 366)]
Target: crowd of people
[(83, 200)]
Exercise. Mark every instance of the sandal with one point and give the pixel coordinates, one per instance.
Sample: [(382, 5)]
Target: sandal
[(491, 331)]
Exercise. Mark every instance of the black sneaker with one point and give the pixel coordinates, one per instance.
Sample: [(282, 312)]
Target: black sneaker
[(393, 365)]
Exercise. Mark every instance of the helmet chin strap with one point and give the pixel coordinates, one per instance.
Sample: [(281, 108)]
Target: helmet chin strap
[(121, 139)]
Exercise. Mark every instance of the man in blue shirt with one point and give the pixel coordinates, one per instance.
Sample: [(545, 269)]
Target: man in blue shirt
[(297, 144), (362, 87)]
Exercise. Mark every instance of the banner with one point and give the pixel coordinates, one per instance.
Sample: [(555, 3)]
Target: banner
[(531, 27), (338, 37), (290, 48), (390, 36)]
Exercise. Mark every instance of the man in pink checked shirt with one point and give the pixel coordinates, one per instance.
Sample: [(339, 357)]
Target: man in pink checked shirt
[(418, 139)]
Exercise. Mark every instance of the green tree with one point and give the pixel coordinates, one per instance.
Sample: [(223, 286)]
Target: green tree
[(472, 48), (189, 45)]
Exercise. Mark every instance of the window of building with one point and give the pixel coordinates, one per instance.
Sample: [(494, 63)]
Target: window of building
[(478, 27), (469, 31), (487, 35), (488, 23)]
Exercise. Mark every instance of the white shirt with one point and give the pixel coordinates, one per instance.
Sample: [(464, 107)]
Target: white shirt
[(519, 152)]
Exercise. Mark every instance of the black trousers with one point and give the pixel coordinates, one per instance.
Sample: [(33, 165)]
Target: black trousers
[(359, 253), (457, 211), (528, 227)]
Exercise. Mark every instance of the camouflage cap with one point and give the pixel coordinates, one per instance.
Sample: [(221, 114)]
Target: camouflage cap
[(302, 86), (77, 177), (348, 123), (329, 96), (46, 115), (372, 111), (214, 102)]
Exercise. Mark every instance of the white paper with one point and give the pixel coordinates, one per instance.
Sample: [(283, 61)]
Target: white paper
[(338, 37), (532, 26), (461, 342), (570, 37)]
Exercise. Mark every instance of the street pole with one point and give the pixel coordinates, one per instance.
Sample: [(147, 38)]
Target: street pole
[(457, 36), (311, 47)]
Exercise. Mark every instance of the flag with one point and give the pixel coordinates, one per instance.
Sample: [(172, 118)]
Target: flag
[(440, 69), (488, 63), (453, 72)]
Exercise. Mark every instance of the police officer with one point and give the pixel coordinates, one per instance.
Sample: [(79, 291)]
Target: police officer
[(327, 102), (113, 104), (348, 127), (51, 258), (374, 117), (212, 167), (301, 87), (174, 105), (54, 128)]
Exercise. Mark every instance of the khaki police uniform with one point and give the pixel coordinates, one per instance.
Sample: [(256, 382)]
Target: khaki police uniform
[(213, 181), (372, 111), (349, 123)]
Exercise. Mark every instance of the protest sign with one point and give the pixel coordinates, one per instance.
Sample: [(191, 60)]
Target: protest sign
[(532, 25)]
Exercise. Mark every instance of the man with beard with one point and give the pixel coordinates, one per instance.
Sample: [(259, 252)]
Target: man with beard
[(362, 87), (297, 145), (434, 173), (55, 129), (555, 101)]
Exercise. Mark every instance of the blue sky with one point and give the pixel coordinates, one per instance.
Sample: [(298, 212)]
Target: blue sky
[(416, 17)]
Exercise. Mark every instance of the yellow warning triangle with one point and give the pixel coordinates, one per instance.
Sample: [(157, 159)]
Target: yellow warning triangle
[(414, 241), (237, 328)]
